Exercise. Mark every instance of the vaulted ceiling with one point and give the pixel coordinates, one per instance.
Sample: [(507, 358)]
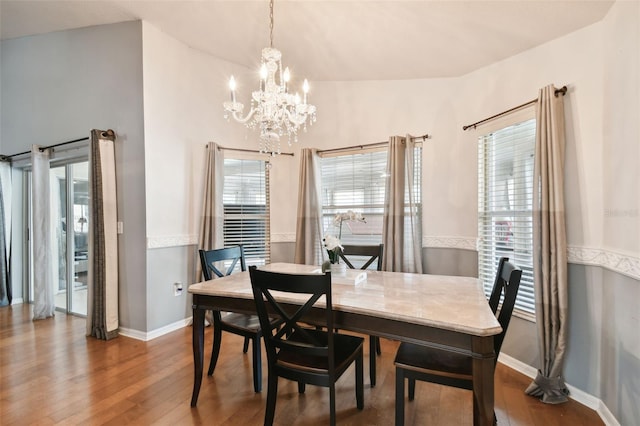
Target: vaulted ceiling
[(332, 40)]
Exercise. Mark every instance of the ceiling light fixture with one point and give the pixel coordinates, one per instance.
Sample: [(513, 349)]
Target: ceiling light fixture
[(274, 110)]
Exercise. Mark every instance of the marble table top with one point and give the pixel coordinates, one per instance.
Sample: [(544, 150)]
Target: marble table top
[(445, 302)]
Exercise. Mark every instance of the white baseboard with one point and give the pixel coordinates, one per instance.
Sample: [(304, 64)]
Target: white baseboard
[(17, 301), (576, 394), (146, 336)]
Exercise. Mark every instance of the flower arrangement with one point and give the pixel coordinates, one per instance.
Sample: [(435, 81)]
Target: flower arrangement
[(333, 247), (332, 243)]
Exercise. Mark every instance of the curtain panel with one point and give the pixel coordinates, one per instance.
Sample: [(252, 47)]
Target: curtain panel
[(308, 248), (550, 248), (102, 297), (212, 220), (402, 227), (44, 276), (5, 233)]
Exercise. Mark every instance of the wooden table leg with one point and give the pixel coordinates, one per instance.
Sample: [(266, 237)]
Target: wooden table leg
[(483, 372), (198, 352)]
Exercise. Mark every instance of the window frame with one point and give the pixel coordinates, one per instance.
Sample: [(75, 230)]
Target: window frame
[(520, 221), (363, 158), (248, 212)]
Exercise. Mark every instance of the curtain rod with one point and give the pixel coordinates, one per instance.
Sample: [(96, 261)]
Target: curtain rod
[(561, 90), (254, 151), (43, 148), (368, 145)]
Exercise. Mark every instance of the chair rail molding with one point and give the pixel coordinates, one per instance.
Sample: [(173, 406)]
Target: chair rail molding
[(622, 263), (164, 241), (289, 237), (465, 243)]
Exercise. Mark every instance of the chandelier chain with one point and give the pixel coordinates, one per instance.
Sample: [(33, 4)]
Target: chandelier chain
[(270, 23)]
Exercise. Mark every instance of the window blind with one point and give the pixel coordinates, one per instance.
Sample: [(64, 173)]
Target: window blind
[(505, 193), (246, 208), (356, 181)]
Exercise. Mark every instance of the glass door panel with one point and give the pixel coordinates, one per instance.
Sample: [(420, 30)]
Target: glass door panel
[(79, 263), (69, 210), (58, 214)]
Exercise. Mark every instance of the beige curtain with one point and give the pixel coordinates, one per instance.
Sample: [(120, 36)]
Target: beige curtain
[(550, 248), (402, 227), (308, 249), (102, 295), (211, 232), (212, 221)]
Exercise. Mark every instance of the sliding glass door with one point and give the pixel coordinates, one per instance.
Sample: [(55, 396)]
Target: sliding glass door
[(69, 212)]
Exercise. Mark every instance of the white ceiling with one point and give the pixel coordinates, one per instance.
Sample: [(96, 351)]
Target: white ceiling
[(332, 40)]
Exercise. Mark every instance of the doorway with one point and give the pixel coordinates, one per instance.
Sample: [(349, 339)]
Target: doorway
[(69, 211)]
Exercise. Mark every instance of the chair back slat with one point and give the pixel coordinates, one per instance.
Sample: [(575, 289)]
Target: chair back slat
[(374, 252), (283, 326), (209, 258), (506, 284)]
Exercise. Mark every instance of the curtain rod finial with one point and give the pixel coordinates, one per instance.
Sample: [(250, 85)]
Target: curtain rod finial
[(561, 91)]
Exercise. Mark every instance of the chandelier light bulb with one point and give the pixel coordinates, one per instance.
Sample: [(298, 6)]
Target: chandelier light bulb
[(263, 71), (232, 86), (305, 89)]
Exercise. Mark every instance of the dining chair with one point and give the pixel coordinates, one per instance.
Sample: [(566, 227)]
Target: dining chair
[(296, 351), (244, 325), (370, 253), (415, 362)]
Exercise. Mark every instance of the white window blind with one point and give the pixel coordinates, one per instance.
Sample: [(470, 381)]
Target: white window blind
[(505, 193), (356, 181), (246, 208)]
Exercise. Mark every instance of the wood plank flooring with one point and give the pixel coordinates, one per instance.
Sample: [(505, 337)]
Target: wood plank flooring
[(51, 374)]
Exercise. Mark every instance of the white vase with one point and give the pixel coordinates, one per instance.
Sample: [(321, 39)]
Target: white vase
[(338, 269)]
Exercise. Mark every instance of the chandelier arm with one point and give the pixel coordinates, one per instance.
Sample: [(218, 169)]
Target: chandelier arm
[(294, 120), (244, 119)]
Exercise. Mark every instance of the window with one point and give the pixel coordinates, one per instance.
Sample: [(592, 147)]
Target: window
[(356, 181), (505, 193), (246, 208)]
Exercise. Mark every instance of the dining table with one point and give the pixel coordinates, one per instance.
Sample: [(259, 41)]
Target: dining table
[(440, 311)]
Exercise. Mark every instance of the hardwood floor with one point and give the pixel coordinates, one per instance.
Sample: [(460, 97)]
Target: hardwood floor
[(50, 373)]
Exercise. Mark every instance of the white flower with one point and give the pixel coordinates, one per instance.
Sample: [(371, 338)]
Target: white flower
[(331, 242), (349, 215)]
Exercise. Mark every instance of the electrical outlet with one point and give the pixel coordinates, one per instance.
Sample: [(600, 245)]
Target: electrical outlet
[(177, 289)]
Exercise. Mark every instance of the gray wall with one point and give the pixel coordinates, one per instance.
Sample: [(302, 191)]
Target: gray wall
[(58, 86), (166, 266)]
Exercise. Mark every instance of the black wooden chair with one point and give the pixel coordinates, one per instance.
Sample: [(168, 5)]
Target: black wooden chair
[(294, 350), (415, 362), (244, 325), (367, 254)]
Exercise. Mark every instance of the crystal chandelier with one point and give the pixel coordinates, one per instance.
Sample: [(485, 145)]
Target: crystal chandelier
[(274, 110)]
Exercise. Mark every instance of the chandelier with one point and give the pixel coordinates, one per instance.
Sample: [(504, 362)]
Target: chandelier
[(274, 110)]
